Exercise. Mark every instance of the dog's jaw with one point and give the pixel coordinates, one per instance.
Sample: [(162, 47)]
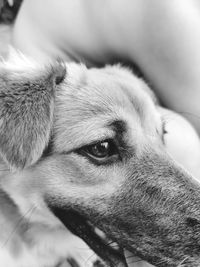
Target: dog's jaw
[(36, 234), (79, 226)]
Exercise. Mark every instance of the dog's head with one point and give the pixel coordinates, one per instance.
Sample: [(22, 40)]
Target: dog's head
[(105, 165)]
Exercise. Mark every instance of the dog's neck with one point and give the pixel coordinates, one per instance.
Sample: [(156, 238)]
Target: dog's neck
[(25, 195)]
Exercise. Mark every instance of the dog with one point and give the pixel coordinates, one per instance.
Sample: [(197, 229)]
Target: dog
[(85, 149), (31, 238)]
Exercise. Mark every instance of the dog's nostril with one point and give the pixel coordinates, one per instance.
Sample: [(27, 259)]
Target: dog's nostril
[(59, 72), (192, 222)]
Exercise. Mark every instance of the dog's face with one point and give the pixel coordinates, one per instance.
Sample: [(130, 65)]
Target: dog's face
[(106, 166)]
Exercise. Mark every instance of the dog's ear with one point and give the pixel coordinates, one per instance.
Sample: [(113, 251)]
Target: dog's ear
[(26, 109)]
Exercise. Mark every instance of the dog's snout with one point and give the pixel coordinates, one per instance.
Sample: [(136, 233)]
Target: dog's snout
[(59, 72)]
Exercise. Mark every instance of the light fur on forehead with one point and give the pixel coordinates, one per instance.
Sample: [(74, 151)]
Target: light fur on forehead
[(77, 74), (126, 73), (119, 70)]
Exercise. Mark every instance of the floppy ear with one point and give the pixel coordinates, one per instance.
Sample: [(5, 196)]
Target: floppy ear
[(26, 110)]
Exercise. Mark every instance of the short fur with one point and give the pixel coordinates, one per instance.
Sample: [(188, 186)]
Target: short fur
[(142, 199)]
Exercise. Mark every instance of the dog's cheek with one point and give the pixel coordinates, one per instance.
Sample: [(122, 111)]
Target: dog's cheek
[(71, 183)]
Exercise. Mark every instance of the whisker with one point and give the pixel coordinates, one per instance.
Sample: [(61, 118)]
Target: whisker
[(30, 210), (182, 262), (93, 255), (133, 260)]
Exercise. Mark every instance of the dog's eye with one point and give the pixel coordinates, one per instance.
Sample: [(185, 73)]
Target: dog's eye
[(101, 152)]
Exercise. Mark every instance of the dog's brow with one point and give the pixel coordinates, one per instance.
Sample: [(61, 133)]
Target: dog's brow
[(119, 126)]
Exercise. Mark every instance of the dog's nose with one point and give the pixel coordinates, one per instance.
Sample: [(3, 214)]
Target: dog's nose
[(59, 72)]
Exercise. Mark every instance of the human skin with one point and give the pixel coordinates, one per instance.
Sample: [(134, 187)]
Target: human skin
[(161, 37), (182, 141)]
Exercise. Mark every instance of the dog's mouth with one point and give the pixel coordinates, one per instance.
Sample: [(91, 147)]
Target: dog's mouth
[(109, 251)]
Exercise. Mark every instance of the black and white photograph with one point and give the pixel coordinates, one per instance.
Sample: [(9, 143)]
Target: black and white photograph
[(99, 133)]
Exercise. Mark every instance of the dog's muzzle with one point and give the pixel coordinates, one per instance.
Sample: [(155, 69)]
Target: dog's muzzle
[(107, 250)]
